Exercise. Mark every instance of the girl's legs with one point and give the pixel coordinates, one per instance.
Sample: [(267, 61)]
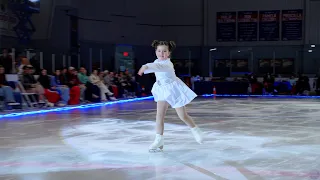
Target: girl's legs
[(162, 107), (183, 115)]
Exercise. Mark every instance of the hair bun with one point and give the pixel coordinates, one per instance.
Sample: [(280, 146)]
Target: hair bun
[(155, 43), (172, 45)]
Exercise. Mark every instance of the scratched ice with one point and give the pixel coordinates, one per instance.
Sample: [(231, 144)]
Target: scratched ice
[(276, 139)]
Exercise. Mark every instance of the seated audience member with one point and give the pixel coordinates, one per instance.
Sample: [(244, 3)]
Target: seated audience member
[(256, 87), (268, 82), (24, 62), (50, 92), (5, 90), (75, 92), (63, 90), (292, 81), (303, 85), (126, 85), (6, 61), (92, 93), (104, 91), (73, 81), (131, 83), (30, 84), (108, 80)]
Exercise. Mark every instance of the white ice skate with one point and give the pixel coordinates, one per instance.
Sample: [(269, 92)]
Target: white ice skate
[(198, 135), (157, 145)]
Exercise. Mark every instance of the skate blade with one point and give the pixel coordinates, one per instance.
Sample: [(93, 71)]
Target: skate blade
[(155, 150)]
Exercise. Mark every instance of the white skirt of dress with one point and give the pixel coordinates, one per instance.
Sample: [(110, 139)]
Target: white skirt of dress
[(173, 91)]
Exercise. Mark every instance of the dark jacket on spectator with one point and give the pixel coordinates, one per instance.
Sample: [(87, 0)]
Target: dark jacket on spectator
[(63, 79), (3, 80), (6, 62), (45, 81), (27, 80), (73, 80)]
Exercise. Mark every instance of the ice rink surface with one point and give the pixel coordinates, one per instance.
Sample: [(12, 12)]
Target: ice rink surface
[(245, 139)]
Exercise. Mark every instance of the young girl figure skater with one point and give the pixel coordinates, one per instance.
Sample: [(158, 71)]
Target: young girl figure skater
[(168, 90)]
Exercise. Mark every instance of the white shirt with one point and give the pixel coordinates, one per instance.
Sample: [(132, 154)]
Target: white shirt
[(94, 79), (163, 69)]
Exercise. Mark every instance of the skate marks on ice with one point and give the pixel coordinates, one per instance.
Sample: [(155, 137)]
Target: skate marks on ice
[(125, 143), (244, 139)]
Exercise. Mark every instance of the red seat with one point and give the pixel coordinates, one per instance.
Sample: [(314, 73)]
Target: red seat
[(52, 96), (74, 95), (115, 91)]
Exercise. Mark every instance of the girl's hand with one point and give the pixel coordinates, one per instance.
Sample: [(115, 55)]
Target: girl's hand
[(142, 69)]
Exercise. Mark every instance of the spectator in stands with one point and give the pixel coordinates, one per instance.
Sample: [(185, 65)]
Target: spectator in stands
[(92, 93), (63, 77), (24, 62), (73, 73), (131, 81), (30, 84), (126, 85), (303, 85), (292, 81), (268, 82), (62, 89), (5, 90), (50, 92), (6, 61), (101, 75), (108, 80), (104, 91), (76, 90)]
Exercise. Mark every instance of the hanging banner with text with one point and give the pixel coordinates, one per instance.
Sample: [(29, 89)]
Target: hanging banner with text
[(226, 26), (183, 67), (235, 65), (292, 25), (281, 66), (247, 25), (269, 25)]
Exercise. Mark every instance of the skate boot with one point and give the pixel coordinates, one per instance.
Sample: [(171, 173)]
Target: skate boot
[(157, 145), (198, 135)]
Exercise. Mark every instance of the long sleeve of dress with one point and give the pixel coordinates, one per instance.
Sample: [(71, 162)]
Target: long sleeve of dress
[(158, 67)]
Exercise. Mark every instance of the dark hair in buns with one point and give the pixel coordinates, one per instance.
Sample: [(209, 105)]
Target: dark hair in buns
[(171, 44)]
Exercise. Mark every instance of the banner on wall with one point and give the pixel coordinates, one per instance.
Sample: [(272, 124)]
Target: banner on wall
[(248, 25), (236, 65), (282, 66), (226, 26), (265, 66), (287, 66), (182, 67), (7, 20), (269, 25), (292, 24)]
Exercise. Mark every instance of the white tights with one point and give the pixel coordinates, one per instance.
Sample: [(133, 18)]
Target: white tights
[(162, 107)]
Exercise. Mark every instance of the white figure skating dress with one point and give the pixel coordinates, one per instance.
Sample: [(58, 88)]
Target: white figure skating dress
[(168, 86)]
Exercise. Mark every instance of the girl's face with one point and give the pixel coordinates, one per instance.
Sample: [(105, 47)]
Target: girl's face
[(162, 52), (44, 72)]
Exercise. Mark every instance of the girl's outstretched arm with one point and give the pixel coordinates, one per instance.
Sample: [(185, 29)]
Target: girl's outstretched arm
[(158, 67)]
